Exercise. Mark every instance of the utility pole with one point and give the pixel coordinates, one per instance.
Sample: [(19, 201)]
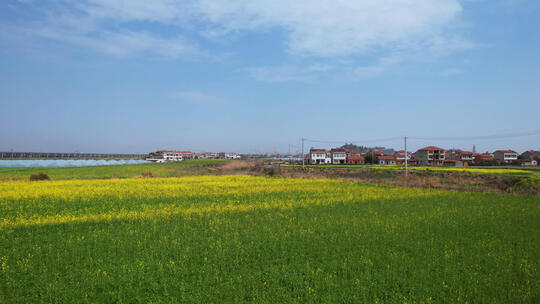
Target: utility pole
[(303, 158), (406, 156)]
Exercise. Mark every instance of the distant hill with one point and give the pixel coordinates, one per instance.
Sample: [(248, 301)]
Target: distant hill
[(364, 149)]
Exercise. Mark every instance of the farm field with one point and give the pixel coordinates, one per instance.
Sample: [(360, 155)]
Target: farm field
[(495, 170), (190, 167), (214, 239)]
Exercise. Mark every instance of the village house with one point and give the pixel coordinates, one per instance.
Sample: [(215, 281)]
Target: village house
[(530, 155), (232, 155), (339, 156), (168, 155), (505, 156), (355, 158), (466, 156), (483, 158), (430, 156), (400, 156), (376, 153), (386, 160), (319, 157), (528, 162), (411, 162)]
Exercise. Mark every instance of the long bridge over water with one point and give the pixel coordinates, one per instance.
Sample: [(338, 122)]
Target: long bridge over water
[(73, 155)]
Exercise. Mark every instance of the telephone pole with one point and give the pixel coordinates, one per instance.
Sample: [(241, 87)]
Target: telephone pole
[(406, 156), (303, 158)]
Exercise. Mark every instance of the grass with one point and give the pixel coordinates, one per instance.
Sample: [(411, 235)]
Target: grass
[(191, 167), (497, 170), (221, 239)]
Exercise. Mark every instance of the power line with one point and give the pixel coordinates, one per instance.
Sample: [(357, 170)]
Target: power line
[(351, 141), (494, 136)]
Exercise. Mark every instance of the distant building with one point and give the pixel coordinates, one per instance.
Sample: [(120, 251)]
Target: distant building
[(376, 152), (505, 156), (386, 160), (232, 155), (355, 159), (339, 156), (433, 156), (168, 155), (319, 157), (206, 155), (531, 154), (529, 162), (483, 158), (400, 156)]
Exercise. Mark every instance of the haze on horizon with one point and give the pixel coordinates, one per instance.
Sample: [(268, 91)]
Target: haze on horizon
[(256, 76)]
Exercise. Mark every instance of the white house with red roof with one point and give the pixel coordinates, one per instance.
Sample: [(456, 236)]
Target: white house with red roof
[(170, 155), (319, 157), (339, 156)]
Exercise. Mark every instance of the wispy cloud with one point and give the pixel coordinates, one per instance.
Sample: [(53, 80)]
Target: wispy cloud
[(337, 28), (320, 30)]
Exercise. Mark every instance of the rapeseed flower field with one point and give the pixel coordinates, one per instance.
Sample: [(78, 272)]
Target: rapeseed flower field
[(215, 239)]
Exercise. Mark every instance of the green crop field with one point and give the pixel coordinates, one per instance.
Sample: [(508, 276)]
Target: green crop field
[(191, 167), (211, 239)]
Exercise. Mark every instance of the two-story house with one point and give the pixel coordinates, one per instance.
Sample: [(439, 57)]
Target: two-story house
[(319, 157), (168, 155), (339, 156), (466, 156), (505, 156), (431, 155)]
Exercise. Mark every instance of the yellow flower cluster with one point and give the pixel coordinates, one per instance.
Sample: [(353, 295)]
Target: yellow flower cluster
[(53, 202)]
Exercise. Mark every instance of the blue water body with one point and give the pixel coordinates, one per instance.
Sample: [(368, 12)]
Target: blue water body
[(67, 162)]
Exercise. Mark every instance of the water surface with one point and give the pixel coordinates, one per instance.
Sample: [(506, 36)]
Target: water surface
[(67, 162)]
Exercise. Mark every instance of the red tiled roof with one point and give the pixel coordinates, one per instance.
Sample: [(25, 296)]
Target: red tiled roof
[(465, 152), (317, 150), (356, 157), (484, 156), (506, 151), (386, 157), (431, 148)]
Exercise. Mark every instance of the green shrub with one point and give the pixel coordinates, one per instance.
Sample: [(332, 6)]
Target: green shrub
[(39, 177)]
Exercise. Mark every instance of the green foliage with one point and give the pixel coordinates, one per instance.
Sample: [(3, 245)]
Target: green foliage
[(264, 240), (39, 177)]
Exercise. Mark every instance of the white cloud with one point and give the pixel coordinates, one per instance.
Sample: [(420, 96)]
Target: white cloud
[(123, 43), (321, 30), (329, 28)]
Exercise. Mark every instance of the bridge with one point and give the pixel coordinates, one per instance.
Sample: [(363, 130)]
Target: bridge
[(74, 155)]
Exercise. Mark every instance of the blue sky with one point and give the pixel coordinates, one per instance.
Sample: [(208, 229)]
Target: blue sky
[(256, 76)]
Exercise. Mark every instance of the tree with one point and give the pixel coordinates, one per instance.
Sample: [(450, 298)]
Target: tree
[(371, 158)]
